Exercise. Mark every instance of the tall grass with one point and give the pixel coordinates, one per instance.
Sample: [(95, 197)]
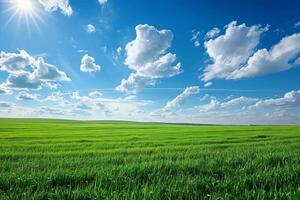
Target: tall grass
[(53, 159)]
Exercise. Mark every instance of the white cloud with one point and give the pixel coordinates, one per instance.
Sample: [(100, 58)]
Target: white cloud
[(4, 90), (279, 58), (212, 33), (162, 67), (290, 99), (90, 28), (55, 96), (148, 46), (52, 86), (238, 101), (54, 5), (82, 51), (134, 83), (47, 72), (119, 51), (88, 64), (27, 72), (215, 105), (118, 106), (102, 2), (234, 54), (95, 94), (229, 51), (180, 99), (208, 84), (14, 63), (147, 56), (196, 38), (297, 24), (23, 95)]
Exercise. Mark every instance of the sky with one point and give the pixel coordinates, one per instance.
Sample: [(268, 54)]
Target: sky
[(206, 62)]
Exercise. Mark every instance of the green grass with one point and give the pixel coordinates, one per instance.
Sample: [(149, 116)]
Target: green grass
[(53, 159)]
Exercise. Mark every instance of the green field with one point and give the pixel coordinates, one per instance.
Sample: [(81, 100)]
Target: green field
[(53, 159)]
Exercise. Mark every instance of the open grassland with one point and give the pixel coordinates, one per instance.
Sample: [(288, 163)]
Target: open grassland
[(52, 159)]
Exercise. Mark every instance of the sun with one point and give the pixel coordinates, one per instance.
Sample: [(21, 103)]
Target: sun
[(26, 11), (24, 5)]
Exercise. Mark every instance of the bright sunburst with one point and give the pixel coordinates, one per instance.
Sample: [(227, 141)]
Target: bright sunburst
[(24, 6), (25, 11)]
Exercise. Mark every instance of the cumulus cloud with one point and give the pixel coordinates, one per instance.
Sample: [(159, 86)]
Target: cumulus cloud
[(95, 94), (212, 33), (180, 99), (90, 28), (23, 95), (290, 99), (27, 72), (88, 64), (134, 83), (215, 105), (297, 24), (147, 57), (279, 58), (234, 54), (229, 51), (54, 5), (15, 62), (55, 96)]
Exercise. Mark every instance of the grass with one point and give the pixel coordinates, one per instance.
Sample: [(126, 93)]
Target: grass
[(56, 159)]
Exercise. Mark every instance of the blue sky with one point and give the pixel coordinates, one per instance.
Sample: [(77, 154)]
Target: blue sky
[(223, 62)]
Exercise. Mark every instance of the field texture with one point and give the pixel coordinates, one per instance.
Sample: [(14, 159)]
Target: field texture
[(52, 159)]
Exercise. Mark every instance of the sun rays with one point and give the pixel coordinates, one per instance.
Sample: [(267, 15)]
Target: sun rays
[(24, 11)]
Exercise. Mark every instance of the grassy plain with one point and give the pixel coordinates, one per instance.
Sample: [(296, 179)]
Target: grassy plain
[(59, 159)]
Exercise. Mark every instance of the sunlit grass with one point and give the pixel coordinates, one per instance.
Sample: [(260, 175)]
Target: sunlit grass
[(51, 159)]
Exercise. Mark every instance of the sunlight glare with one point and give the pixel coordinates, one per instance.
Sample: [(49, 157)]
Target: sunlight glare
[(26, 11), (24, 5)]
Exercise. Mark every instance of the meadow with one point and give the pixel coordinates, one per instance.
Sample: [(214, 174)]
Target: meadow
[(60, 159)]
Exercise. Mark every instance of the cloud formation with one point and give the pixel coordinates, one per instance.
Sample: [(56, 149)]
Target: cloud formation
[(23, 95), (180, 99), (280, 57), (215, 105), (88, 64), (212, 33), (147, 57), (290, 99), (27, 72), (90, 28), (55, 96), (95, 94), (196, 38), (234, 54), (54, 5), (229, 51)]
